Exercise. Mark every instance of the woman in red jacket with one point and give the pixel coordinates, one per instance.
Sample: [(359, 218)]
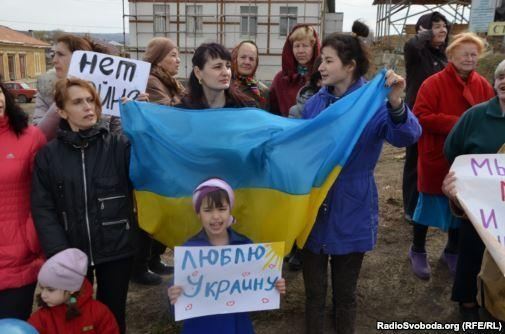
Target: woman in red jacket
[(20, 254), (440, 102), (298, 55)]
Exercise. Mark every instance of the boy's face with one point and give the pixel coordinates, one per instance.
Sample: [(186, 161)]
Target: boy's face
[(53, 297), (214, 219)]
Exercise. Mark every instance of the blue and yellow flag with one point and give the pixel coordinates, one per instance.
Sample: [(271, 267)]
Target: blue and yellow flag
[(281, 169)]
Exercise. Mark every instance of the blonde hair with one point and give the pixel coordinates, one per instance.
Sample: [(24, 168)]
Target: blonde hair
[(466, 37), (301, 33)]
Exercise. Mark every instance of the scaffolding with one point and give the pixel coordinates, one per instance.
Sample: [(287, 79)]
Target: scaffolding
[(392, 15), (190, 23)]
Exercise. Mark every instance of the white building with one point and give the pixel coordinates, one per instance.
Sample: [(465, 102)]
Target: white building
[(190, 23)]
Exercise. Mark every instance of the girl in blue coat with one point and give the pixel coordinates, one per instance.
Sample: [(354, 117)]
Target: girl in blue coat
[(213, 201), (346, 226)]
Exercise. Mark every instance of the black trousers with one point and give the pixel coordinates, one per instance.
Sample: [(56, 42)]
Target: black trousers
[(112, 280), (345, 271), (17, 303), (148, 251), (471, 250), (409, 185)]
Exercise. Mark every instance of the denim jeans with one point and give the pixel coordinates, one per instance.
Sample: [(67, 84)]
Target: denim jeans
[(344, 278)]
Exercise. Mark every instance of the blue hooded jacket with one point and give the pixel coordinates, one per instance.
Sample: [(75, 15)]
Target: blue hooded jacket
[(348, 218)]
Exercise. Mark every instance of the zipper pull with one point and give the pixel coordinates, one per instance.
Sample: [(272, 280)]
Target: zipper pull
[(102, 205)]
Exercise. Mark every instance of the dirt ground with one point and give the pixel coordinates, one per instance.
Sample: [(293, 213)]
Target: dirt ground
[(387, 290)]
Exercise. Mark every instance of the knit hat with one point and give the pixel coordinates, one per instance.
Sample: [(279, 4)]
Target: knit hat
[(64, 270), (157, 50), (209, 186)]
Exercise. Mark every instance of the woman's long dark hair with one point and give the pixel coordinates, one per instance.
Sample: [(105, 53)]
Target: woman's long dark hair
[(196, 97), (18, 119), (351, 47)]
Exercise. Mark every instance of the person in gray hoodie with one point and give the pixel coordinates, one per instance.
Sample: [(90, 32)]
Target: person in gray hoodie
[(307, 91)]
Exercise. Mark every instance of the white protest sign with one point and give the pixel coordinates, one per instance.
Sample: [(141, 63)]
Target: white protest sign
[(227, 279), (113, 77), (480, 189)]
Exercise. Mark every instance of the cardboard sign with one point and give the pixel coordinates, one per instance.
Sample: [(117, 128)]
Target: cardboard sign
[(480, 189), (227, 279), (113, 77)]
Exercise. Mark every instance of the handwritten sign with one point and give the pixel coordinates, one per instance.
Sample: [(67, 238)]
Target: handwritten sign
[(227, 279), (113, 77), (480, 189)]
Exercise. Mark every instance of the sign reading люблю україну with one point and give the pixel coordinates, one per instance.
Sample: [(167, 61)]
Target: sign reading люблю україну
[(480, 185), (227, 279), (113, 77)]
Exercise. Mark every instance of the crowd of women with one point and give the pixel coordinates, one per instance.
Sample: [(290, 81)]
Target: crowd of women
[(65, 193)]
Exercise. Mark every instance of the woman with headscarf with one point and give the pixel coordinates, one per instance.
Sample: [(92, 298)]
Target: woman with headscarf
[(162, 86), (298, 55), (440, 102), (244, 63)]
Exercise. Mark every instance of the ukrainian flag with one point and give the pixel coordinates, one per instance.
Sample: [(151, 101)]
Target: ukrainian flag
[(281, 169)]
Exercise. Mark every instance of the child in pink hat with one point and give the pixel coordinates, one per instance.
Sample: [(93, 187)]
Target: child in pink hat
[(66, 298), (213, 201)]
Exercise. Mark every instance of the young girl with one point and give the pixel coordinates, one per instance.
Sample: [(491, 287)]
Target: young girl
[(346, 226), (66, 298), (213, 201)]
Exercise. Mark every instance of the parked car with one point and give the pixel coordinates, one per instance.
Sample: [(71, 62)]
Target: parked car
[(21, 91)]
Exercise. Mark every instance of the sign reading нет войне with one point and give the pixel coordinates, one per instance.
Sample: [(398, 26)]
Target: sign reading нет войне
[(227, 279), (113, 77)]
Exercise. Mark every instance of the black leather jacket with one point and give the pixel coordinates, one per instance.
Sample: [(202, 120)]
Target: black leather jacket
[(82, 196)]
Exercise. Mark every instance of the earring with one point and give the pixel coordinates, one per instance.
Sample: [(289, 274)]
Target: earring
[(73, 300), (200, 81)]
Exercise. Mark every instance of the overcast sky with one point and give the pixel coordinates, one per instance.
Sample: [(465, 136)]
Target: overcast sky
[(106, 16)]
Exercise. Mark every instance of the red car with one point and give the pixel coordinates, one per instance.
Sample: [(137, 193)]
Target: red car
[(21, 91)]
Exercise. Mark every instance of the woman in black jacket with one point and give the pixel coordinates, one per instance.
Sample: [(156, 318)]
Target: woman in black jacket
[(82, 196)]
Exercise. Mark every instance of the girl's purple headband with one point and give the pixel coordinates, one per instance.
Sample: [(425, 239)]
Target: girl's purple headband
[(209, 186)]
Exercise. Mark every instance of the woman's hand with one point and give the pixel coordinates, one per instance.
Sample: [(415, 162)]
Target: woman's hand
[(174, 292), (449, 186), (397, 84), (280, 285), (142, 97)]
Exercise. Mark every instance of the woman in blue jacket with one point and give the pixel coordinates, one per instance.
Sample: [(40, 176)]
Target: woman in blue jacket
[(346, 226)]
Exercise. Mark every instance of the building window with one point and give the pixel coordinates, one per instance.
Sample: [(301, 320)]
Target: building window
[(194, 19), (248, 20), (2, 77), (37, 62), (12, 67), (287, 19), (161, 19), (22, 66)]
